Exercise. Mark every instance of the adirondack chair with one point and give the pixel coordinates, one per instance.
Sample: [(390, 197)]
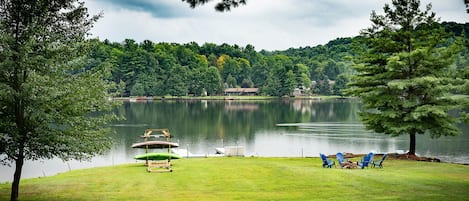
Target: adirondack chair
[(326, 162), (380, 162), (366, 160), (340, 158)]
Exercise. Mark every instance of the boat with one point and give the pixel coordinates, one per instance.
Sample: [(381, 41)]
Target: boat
[(184, 153), (220, 150), (155, 145), (156, 156)]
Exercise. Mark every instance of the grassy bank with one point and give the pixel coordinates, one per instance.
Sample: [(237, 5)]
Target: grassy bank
[(253, 179)]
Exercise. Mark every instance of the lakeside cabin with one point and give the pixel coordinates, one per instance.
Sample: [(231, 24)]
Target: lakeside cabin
[(241, 91)]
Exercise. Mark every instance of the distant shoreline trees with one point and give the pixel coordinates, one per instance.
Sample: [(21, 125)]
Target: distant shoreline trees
[(160, 69)]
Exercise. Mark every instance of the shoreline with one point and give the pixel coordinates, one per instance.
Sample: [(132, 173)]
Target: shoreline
[(223, 98)]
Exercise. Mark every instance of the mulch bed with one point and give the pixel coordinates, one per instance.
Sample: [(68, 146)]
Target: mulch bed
[(349, 165), (394, 156), (413, 157)]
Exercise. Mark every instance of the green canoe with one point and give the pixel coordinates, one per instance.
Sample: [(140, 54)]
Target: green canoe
[(156, 156), (155, 145)]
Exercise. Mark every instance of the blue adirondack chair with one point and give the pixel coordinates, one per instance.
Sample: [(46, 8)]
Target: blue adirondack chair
[(366, 160), (326, 162), (340, 158), (380, 162)]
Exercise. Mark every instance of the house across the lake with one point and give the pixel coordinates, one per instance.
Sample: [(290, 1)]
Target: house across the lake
[(241, 91)]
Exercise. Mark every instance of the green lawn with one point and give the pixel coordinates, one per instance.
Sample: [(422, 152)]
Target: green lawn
[(234, 178)]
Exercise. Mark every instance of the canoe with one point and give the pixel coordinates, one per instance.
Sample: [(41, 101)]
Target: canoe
[(220, 150), (155, 145), (156, 156)]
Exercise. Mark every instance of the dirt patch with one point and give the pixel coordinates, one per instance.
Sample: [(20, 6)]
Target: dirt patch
[(349, 165), (413, 157)]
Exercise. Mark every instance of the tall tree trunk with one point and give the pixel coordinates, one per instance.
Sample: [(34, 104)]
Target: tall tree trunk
[(412, 143), (15, 186)]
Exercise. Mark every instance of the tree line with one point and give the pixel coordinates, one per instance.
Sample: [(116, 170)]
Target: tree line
[(160, 69)]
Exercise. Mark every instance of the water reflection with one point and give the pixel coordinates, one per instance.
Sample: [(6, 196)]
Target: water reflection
[(261, 126), (298, 128)]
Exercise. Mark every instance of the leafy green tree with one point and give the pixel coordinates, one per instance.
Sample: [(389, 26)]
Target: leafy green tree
[(147, 84), (177, 81), (121, 88), (331, 69), (313, 66), (221, 62), (404, 75), (202, 61), (305, 81), (302, 76), (281, 80), (185, 57), (231, 81), (99, 55), (231, 50), (50, 105), (132, 61), (289, 83), (213, 81), (137, 90), (232, 68), (272, 86), (148, 46), (244, 70), (165, 63), (197, 81), (323, 86), (118, 72), (212, 60), (250, 54), (339, 85), (247, 83), (260, 72)]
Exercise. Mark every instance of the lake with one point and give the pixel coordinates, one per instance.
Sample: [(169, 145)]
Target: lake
[(274, 128)]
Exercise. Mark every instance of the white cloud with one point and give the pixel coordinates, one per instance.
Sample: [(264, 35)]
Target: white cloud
[(266, 24)]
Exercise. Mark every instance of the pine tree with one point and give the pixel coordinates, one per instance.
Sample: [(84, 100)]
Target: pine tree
[(404, 74)]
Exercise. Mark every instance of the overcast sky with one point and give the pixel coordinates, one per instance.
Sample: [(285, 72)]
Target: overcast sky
[(265, 24)]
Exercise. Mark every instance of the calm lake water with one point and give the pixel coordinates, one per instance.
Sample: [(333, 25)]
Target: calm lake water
[(290, 128)]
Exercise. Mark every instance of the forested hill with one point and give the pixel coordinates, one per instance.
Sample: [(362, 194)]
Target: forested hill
[(160, 69)]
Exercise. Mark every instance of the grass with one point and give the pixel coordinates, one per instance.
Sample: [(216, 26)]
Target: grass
[(234, 178)]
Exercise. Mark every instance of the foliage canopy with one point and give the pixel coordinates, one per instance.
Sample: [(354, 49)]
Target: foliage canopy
[(50, 105), (405, 78), (223, 5)]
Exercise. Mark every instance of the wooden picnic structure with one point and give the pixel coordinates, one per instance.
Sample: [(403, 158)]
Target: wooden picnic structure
[(157, 165)]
